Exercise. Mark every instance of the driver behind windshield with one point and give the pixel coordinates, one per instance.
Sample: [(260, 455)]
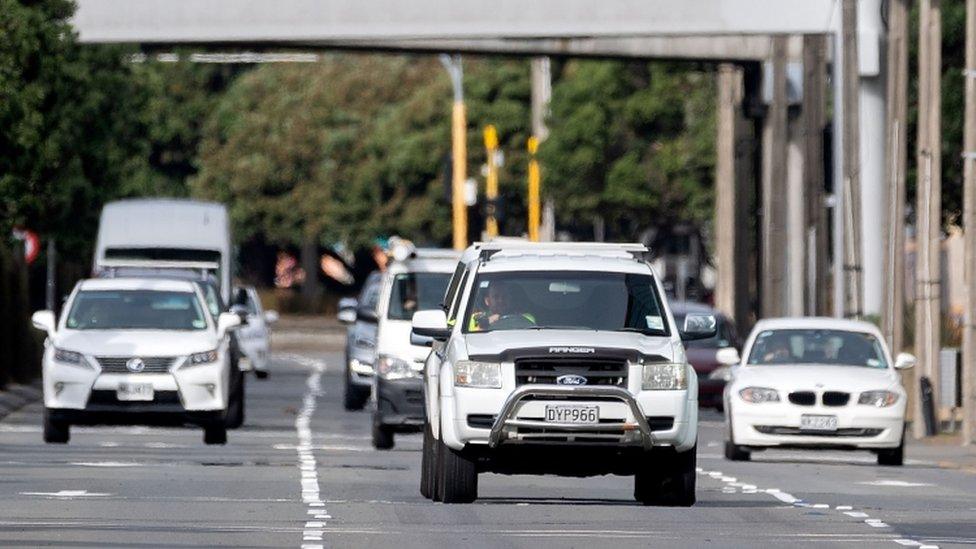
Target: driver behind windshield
[(500, 308)]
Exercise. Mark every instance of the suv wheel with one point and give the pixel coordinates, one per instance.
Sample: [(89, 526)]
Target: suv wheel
[(55, 431), (235, 405), (382, 437), (427, 465), (457, 476), (215, 433), (667, 480)]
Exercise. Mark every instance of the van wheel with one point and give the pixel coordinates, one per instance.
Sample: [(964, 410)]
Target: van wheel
[(55, 431), (235, 406), (215, 434), (382, 437), (427, 465), (667, 480), (457, 476)]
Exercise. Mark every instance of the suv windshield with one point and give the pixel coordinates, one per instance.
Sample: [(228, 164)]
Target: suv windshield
[(136, 310), (416, 291), (835, 347), (567, 300)]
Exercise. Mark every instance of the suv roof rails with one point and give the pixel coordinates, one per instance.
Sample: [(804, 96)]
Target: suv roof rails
[(488, 249)]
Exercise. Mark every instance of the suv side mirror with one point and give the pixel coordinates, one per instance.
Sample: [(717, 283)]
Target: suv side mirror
[(431, 323), (271, 317), (728, 356), (699, 326), (905, 361), (227, 322), (347, 310), (44, 321)]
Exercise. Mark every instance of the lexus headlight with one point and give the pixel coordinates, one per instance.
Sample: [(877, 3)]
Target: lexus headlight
[(198, 359), (361, 367), (486, 375), (63, 356), (759, 395), (391, 368), (723, 373), (666, 376), (878, 399)]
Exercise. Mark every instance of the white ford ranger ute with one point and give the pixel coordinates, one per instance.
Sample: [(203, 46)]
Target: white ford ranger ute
[(558, 359)]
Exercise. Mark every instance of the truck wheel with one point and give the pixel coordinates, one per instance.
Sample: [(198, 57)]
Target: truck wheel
[(669, 481), (215, 433), (427, 465), (382, 437), (235, 406), (457, 476), (893, 456), (55, 431)]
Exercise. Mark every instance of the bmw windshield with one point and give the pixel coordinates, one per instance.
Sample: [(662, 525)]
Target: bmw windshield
[(566, 300), (136, 310), (834, 347)]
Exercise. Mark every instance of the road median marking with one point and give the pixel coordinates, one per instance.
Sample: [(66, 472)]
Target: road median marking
[(307, 465)]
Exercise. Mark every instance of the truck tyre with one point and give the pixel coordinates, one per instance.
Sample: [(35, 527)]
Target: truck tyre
[(215, 433), (893, 456), (55, 431), (235, 405), (427, 465), (667, 480), (382, 437), (457, 476)]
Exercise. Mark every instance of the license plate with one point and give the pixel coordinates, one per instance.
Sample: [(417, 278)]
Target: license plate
[(135, 391), (572, 414), (818, 423)]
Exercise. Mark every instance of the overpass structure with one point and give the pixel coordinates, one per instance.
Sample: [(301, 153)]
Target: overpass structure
[(746, 35)]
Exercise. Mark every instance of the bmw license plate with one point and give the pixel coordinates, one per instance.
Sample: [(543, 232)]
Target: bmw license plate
[(818, 423), (135, 391), (570, 413)]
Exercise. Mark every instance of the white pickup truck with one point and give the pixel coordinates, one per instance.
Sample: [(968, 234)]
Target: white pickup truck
[(558, 359)]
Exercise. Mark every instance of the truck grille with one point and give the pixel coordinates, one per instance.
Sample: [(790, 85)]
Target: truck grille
[(154, 364), (547, 371)]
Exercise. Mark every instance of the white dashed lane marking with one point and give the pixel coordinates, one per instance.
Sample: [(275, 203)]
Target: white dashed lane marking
[(307, 465)]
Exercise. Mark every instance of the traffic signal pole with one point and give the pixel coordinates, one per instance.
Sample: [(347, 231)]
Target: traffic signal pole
[(459, 152)]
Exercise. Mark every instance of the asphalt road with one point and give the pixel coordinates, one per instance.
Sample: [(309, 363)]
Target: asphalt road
[(302, 473)]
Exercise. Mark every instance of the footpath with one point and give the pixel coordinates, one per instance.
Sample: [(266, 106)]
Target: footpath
[(15, 396), (945, 450)]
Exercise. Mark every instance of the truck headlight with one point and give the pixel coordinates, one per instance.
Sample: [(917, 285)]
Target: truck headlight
[(878, 399), (759, 395), (486, 375), (667, 376), (199, 359), (389, 367), (63, 356)]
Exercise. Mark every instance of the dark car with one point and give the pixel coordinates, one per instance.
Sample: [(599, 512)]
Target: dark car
[(360, 315), (702, 353)]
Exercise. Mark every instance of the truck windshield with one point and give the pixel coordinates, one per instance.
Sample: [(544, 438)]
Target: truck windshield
[(136, 310), (412, 292), (567, 300)]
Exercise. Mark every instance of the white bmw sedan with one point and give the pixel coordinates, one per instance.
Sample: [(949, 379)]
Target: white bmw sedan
[(136, 351), (816, 383)]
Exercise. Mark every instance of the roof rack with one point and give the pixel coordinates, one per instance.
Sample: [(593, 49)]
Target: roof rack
[(488, 249), (111, 267)]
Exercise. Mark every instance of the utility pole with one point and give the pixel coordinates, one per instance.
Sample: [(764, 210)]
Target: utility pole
[(491, 186), (969, 224), (459, 151), (814, 82), (541, 95), (774, 189), (893, 306), (851, 163), (535, 184), (928, 314), (727, 200)]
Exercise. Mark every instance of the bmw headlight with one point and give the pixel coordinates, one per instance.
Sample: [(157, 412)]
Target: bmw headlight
[(198, 359), (722, 373), (878, 399), (63, 356), (389, 367), (667, 376), (486, 375), (759, 395)]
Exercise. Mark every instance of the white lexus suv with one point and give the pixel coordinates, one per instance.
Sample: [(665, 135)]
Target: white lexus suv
[(559, 359), (136, 351)]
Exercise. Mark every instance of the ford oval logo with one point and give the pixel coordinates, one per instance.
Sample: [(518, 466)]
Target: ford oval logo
[(571, 379), (135, 365)]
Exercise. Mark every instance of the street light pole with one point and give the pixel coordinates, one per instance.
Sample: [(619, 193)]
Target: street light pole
[(969, 224), (459, 153), (491, 186), (535, 182)]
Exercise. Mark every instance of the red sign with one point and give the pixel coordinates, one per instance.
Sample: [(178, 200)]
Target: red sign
[(32, 244)]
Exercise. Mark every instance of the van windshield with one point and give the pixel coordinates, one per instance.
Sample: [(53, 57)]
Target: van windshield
[(136, 310), (413, 292), (566, 300)]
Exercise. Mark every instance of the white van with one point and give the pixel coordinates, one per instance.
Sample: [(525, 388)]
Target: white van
[(161, 232)]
